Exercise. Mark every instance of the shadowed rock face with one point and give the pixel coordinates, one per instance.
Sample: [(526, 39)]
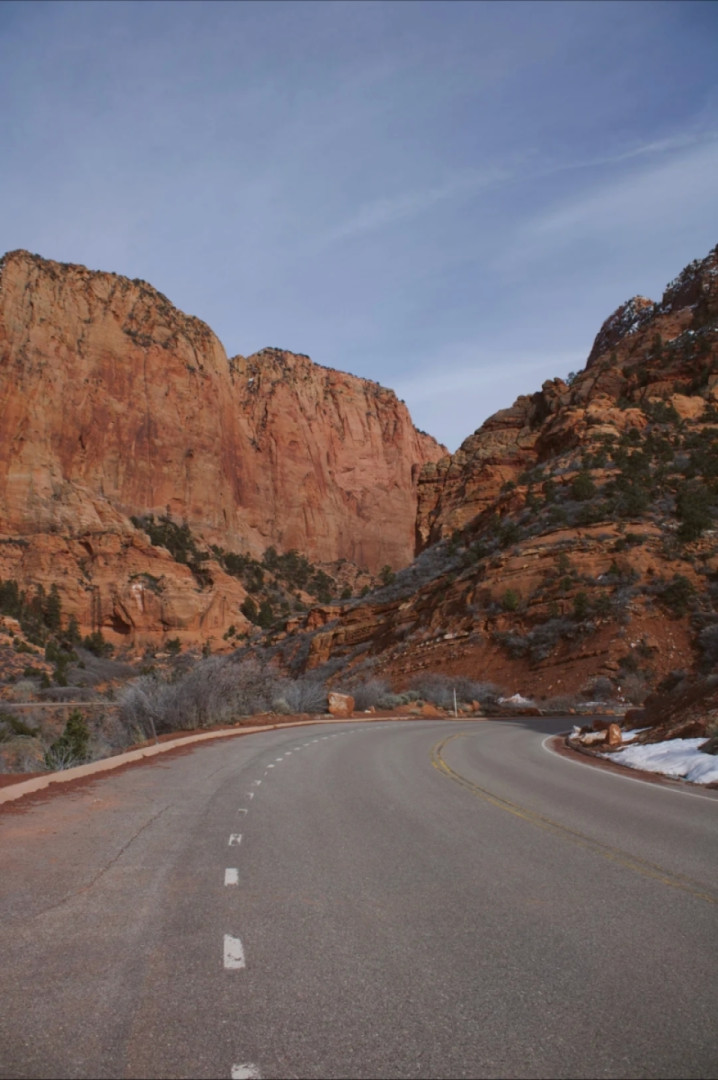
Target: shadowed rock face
[(114, 403)]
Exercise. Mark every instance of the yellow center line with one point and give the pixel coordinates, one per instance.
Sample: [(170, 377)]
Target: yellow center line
[(623, 858)]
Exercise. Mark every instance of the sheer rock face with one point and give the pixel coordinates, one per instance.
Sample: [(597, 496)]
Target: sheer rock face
[(334, 460), (109, 393), (631, 345), (114, 403)]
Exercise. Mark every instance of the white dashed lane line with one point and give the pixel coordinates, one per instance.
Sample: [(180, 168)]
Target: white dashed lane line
[(245, 1072), (233, 952)]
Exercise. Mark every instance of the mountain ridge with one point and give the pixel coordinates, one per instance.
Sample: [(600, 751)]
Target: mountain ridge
[(571, 539)]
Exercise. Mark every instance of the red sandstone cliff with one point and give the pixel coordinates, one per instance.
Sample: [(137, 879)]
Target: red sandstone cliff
[(644, 351), (114, 403), (333, 462), (574, 536)]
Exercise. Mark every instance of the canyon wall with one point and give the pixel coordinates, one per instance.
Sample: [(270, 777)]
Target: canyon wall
[(115, 405), (572, 540)]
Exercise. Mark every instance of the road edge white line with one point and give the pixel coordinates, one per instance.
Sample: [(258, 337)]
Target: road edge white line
[(632, 779)]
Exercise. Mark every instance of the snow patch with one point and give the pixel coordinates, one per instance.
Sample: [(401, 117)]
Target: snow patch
[(516, 699), (678, 758)]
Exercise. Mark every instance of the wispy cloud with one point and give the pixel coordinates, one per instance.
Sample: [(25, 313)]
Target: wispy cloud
[(641, 150), (383, 213), (642, 197), (453, 392), (672, 194)]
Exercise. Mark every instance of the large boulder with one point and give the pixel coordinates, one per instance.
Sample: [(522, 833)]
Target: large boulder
[(341, 705)]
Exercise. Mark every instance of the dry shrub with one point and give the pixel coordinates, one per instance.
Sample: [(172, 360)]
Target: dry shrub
[(561, 704), (217, 690), (370, 693), (439, 689), (304, 695), (635, 687)]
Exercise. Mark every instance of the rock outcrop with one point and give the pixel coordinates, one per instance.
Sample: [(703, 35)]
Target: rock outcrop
[(644, 351), (115, 404), (571, 543)]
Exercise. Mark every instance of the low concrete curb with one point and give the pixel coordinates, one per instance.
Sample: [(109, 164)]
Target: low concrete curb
[(79, 772), (39, 783)]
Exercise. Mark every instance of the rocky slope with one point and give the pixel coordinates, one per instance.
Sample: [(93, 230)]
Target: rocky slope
[(116, 406), (570, 543), (645, 352)]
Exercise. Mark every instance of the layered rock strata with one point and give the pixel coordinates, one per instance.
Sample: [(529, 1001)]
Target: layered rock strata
[(574, 536), (115, 404)]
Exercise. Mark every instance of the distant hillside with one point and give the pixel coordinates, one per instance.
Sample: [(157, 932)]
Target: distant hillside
[(570, 543)]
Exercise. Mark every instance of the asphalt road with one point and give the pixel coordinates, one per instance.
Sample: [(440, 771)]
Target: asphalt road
[(395, 899)]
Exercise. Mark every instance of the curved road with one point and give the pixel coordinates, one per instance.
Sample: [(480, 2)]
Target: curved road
[(387, 899)]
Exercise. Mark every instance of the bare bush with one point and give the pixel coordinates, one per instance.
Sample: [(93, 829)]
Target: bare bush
[(250, 687), (96, 669), (469, 690), (143, 707), (440, 689), (21, 753), (23, 690), (599, 689), (110, 735), (369, 693), (635, 687), (560, 703), (708, 645), (307, 695), (434, 688), (217, 690), (542, 639), (393, 701)]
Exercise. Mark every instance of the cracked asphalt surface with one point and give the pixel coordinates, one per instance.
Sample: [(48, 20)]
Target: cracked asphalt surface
[(415, 898)]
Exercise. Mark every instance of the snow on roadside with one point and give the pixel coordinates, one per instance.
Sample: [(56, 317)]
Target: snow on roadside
[(678, 758), (515, 699)]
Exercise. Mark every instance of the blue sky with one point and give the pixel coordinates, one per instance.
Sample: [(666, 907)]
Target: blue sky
[(449, 198)]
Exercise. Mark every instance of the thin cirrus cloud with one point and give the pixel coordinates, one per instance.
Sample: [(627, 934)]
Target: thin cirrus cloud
[(465, 384), (633, 198), (383, 213), (657, 146), (665, 193)]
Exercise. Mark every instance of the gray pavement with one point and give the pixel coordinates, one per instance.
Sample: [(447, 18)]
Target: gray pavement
[(411, 899)]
